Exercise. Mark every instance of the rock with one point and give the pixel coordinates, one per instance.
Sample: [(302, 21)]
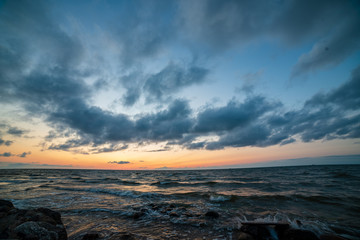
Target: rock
[(331, 237), (36, 230), (122, 236), (41, 223), (245, 236), (5, 205), (91, 236), (173, 214), (138, 215), (298, 234), (212, 214), (260, 231), (50, 213)]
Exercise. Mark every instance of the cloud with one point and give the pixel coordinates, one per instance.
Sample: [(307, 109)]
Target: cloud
[(233, 115), (161, 85), (331, 50), (51, 84), (172, 79), (221, 25), (11, 165), (16, 131), (9, 154), (5, 142), (24, 154), (6, 154), (119, 162)]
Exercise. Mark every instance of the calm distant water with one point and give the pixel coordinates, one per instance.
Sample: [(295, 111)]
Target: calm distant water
[(167, 204)]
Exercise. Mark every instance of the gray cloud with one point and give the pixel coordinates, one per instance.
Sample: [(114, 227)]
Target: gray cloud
[(54, 89), (223, 24), (6, 154), (330, 51), (5, 142), (233, 115), (10, 165), (162, 85), (9, 154), (171, 79), (24, 154), (16, 131), (119, 162)]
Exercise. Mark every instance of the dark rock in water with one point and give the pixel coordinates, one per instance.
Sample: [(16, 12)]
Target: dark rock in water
[(31, 224), (122, 236), (245, 236), (5, 205), (173, 214), (212, 214), (138, 215), (260, 232), (331, 237), (91, 236), (298, 234)]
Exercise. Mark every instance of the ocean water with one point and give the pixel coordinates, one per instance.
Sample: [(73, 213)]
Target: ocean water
[(173, 204)]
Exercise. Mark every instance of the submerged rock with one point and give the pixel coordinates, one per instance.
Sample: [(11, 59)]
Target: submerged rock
[(299, 234), (212, 214), (91, 236), (41, 223)]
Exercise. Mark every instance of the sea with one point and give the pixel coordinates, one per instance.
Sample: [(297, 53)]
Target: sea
[(176, 204)]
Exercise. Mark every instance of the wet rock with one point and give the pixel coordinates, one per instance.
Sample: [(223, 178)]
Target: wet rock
[(138, 215), (91, 236), (5, 206), (38, 223), (245, 236), (37, 230), (298, 234), (122, 236), (260, 231), (173, 214), (331, 237), (212, 214)]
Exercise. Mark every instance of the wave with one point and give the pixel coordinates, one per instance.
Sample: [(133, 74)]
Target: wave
[(121, 193)]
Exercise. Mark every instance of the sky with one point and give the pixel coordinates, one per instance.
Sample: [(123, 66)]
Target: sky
[(182, 84)]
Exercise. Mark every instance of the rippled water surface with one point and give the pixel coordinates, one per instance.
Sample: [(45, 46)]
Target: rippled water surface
[(165, 204)]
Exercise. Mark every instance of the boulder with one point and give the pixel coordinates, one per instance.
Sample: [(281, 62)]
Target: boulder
[(41, 223)]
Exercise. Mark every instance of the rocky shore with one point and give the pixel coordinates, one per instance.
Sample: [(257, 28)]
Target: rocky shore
[(46, 224)]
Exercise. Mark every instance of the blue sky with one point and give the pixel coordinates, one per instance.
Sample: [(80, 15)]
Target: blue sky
[(90, 78)]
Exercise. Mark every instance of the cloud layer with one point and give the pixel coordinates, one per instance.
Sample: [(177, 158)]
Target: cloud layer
[(46, 70)]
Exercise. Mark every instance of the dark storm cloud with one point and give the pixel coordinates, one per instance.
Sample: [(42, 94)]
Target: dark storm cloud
[(256, 122), (233, 115), (5, 142), (168, 124)]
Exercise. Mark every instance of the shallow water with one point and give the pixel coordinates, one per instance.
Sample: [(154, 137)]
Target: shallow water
[(169, 204)]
